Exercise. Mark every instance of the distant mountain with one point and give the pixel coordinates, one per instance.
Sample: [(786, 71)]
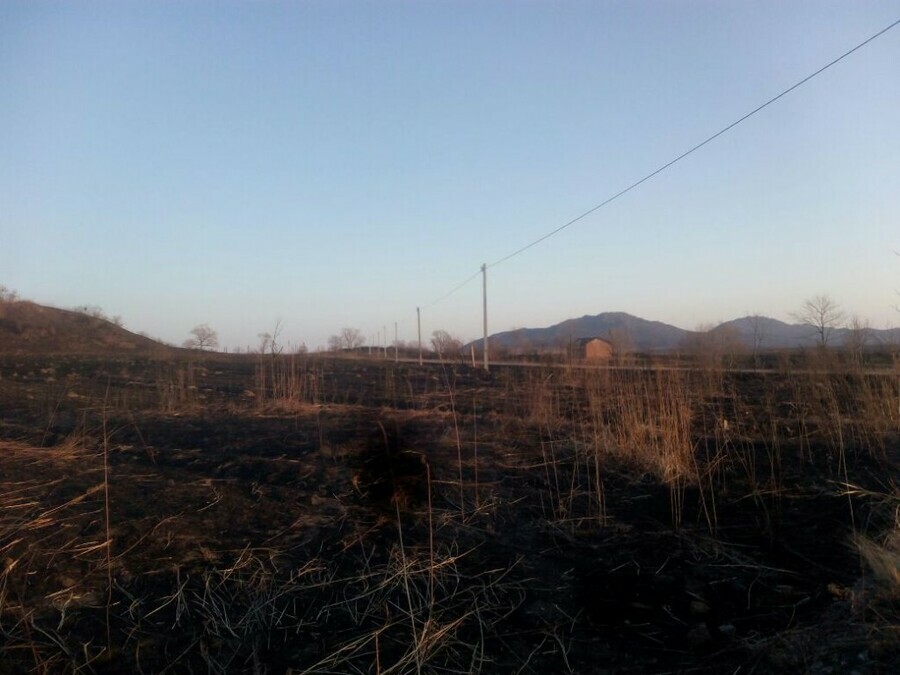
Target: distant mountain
[(639, 334), (29, 328), (773, 334), (767, 333)]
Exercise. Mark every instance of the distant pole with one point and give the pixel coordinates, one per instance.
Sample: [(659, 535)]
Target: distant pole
[(384, 342), (419, 321), (484, 295), (396, 346)]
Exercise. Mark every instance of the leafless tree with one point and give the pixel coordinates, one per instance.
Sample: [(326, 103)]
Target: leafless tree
[(823, 315), (8, 294), (204, 338), (445, 344), (348, 338), (352, 338), (714, 345), (265, 340), (268, 342), (858, 335), (622, 343), (759, 333), (92, 311)]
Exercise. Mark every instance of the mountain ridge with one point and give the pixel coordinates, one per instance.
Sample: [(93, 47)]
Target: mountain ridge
[(632, 333), (29, 328)]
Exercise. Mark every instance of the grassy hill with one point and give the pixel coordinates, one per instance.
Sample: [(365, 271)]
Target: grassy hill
[(29, 328)]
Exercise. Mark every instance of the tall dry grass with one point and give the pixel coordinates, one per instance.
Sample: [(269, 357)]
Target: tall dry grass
[(704, 430)]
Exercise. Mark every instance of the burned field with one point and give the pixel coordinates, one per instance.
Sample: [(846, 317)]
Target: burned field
[(275, 515)]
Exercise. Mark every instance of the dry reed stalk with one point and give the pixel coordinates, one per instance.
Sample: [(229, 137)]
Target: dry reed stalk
[(456, 433), (106, 521), (405, 568), (475, 448), (883, 560)]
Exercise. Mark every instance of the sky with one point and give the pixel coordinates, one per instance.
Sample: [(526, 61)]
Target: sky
[(339, 163)]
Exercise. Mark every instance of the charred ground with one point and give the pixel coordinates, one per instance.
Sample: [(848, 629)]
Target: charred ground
[(335, 515)]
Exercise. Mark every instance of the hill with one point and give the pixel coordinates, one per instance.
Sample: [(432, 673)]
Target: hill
[(769, 333), (619, 327), (631, 333), (29, 328)]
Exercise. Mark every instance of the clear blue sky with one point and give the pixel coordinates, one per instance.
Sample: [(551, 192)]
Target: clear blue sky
[(337, 163)]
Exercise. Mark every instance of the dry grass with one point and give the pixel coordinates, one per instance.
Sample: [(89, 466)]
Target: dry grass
[(409, 592)]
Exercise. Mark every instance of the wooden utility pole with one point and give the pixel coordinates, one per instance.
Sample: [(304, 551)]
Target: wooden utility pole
[(384, 342), (396, 346), (484, 294), (419, 321)]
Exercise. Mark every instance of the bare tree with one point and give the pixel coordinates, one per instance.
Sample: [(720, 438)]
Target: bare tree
[(265, 339), (352, 338), (8, 294), (623, 345), (268, 342), (858, 335), (714, 345), (348, 338), (274, 346), (759, 333), (823, 315), (92, 311), (445, 344), (204, 338)]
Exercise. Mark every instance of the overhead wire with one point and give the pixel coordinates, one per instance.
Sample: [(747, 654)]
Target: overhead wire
[(693, 149), (665, 166), (451, 292), (446, 295)]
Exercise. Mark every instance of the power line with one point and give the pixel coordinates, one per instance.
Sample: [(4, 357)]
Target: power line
[(661, 168), (693, 149), (448, 294)]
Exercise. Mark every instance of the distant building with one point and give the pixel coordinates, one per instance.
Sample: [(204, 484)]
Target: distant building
[(593, 349)]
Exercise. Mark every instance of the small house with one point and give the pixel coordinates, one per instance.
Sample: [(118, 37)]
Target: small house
[(594, 349)]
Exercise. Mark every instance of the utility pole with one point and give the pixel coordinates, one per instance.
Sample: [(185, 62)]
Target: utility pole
[(419, 321), (484, 294), (384, 343), (396, 346)]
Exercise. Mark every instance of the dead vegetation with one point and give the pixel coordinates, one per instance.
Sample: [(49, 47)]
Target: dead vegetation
[(291, 514)]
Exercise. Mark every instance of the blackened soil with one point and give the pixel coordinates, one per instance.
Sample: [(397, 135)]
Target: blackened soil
[(391, 506)]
